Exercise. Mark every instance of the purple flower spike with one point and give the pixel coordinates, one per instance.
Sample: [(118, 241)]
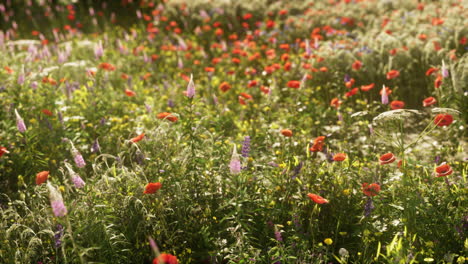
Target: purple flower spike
[(20, 123)]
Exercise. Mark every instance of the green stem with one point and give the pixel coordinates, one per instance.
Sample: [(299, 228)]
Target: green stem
[(69, 230)]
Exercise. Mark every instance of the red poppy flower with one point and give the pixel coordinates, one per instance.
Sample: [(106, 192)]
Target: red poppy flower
[(368, 87), (443, 120), (287, 132), (294, 84), (3, 150), (265, 89), (397, 105), (431, 71), (41, 177), (129, 93), (106, 66), (335, 102), (387, 91), (152, 187), (438, 81), (392, 74), (350, 83), (168, 116), (252, 83), (339, 157), (47, 112), (429, 101), (165, 258), (317, 198), (318, 144), (443, 170), (352, 92), (224, 86), (138, 138), (357, 65), (370, 189), (387, 158)]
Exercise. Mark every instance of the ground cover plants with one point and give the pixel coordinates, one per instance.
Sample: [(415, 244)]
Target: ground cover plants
[(233, 131)]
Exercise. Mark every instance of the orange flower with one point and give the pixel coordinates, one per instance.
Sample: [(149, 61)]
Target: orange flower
[(8, 70), (224, 86), (352, 92), (3, 150), (387, 158), (387, 91), (357, 65), (397, 105), (41, 177), (129, 93), (335, 102), (350, 83), (287, 132), (392, 74), (165, 259), (339, 157), (265, 89), (138, 138), (443, 170), (429, 101), (152, 187), (169, 116), (370, 189), (318, 144), (438, 81), (431, 71), (366, 88), (443, 120), (47, 112), (106, 66), (294, 84), (317, 198)]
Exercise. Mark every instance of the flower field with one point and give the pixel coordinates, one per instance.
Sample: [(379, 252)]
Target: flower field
[(266, 131)]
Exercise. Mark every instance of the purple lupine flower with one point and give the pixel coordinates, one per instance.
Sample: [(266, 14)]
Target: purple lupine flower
[(33, 85), (58, 235), (75, 177), (273, 164), (78, 181), (148, 108), (368, 207), (20, 123), (56, 201), (307, 47), (297, 170), (21, 78), (77, 157), (445, 71), (96, 147), (170, 103), (384, 95), (347, 78), (246, 147), (98, 50), (180, 64), (235, 165), (153, 245), (278, 236), (191, 88), (58, 207), (371, 129)]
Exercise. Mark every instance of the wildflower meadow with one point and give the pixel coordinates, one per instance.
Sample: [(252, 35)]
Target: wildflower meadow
[(223, 131)]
